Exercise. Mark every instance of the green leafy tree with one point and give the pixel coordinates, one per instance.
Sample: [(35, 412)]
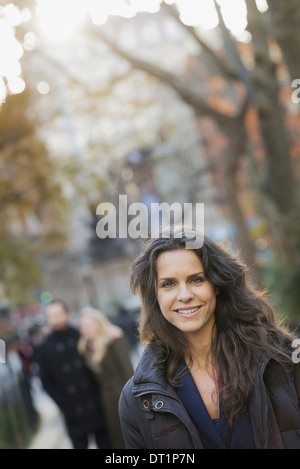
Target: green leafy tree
[(31, 202)]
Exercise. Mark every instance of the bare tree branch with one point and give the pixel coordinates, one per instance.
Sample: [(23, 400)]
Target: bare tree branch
[(73, 79), (186, 92), (233, 57), (220, 62)]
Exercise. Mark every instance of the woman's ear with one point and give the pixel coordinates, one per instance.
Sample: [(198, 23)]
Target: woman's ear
[(217, 290)]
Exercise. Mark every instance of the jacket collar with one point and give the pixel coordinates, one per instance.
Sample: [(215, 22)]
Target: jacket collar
[(148, 375), (147, 369)]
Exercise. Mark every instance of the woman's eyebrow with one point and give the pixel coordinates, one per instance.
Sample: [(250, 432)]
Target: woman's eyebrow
[(166, 278), (188, 277), (195, 275)]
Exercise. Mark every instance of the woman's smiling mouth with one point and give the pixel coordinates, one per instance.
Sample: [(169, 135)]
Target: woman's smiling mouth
[(188, 311)]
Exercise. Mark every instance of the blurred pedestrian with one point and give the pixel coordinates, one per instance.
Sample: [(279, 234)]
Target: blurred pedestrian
[(25, 352), (127, 320), (107, 353), (69, 382), (217, 370), (128, 323)]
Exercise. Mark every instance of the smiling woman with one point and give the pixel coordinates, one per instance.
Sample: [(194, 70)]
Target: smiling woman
[(217, 368)]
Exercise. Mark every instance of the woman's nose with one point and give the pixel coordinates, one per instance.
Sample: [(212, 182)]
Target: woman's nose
[(184, 294)]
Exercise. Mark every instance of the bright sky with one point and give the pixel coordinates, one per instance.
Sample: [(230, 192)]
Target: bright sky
[(59, 20), (10, 53), (194, 12)]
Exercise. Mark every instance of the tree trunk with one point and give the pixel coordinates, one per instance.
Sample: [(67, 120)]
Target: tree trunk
[(285, 17), (279, 184), (245, 243), (237, 136)]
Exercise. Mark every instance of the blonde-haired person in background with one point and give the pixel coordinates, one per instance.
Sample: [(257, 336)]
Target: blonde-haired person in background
[(107, 353)]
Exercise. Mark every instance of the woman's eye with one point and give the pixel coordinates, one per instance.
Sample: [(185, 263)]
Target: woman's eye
[(167, 284), (197, 280)]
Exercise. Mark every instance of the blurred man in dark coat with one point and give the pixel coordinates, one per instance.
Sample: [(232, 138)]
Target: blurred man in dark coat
[(69, 382)]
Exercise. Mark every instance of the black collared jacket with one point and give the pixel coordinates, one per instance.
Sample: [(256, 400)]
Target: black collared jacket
[(153, 417)]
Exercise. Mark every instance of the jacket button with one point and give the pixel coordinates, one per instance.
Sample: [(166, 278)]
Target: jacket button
[(146, 404), (159, 405)]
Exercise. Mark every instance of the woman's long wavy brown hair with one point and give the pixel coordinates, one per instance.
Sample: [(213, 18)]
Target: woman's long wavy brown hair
[(245, 322)]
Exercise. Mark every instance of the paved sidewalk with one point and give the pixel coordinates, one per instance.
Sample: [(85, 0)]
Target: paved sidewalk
[(51, 433)]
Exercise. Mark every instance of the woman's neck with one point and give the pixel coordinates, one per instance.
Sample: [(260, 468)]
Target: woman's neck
[(201, 350), (201, 356)]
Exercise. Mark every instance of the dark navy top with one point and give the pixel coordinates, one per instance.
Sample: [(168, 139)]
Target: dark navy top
[(214, 433)]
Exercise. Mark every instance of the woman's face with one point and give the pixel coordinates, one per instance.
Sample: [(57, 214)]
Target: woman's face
[(186, 299), (88, 328)]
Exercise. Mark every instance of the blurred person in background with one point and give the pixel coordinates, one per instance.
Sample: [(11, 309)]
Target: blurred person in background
[(128, 322), (217, 371), (25, 351), (69, 382), (107, 352)]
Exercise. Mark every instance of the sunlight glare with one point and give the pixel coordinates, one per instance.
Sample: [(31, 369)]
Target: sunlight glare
[(234, 13), (262, 5), (10, 53), (194, 13), (146, 5), (203, 13), (59, 19), (2, 91), (16, 85), (99, 11)]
